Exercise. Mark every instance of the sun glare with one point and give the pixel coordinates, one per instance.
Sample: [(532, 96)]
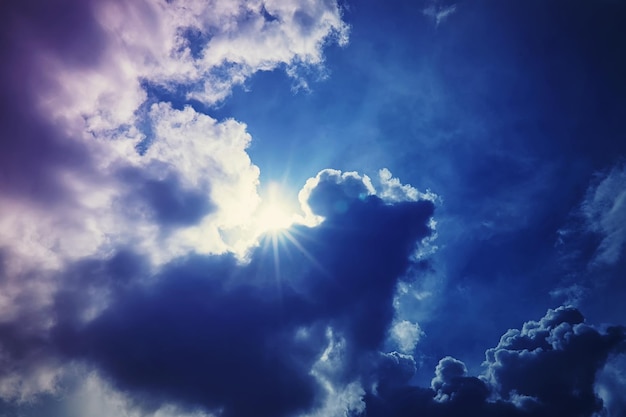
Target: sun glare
[(274, 214), (272, 224), (274, 217)]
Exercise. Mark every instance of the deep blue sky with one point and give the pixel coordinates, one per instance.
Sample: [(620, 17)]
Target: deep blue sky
[(137, 273), (506, 110)]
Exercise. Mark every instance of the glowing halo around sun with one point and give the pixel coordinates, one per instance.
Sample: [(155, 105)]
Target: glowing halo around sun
[(274, 213), (273, 221), (273, 217)]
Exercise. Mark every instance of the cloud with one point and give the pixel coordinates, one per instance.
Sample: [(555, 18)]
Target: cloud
[(91, 162), (207, 330), (406, 335), (199, 48), (447, 373), (130, 281), (604, 209), (438, 12), (553, 361), (391, 189), (85, 135), (611, 383), (546, 368), (592, 241), (101, 183), (331, 192)]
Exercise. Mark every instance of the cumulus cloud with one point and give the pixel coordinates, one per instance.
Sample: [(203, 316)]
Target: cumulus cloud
[(547, 368), (447, 372), (332, 191), (554, 361)]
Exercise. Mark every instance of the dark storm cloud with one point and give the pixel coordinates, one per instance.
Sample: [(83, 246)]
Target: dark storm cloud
[(209, 331), (553, 362), (547, 368)]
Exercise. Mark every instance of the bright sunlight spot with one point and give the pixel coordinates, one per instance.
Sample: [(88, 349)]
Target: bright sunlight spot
[(273, 217), (274, 213)]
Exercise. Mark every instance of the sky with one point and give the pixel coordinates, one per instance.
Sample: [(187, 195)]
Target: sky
[(303, 208)]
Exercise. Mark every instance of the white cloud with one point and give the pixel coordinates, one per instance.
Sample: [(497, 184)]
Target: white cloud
[(406, 335), (95, 397), (147, 41), (392, 190), (208, 157)]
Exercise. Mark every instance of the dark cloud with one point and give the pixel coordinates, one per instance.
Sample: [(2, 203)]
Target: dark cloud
[(548, 368), (553, 361), (209, 331), (394, 369)]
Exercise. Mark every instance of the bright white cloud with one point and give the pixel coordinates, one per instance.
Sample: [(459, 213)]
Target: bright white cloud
[(392, 190), (151, 42)]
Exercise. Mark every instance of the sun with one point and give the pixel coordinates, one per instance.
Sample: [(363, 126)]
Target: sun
[(274, 213), (275, 235), (273, 217)]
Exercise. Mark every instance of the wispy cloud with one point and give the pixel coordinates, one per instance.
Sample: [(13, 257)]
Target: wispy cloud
[(438, 12), (604, 209)]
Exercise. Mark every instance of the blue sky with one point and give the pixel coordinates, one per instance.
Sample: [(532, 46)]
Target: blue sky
[(312, 208)]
